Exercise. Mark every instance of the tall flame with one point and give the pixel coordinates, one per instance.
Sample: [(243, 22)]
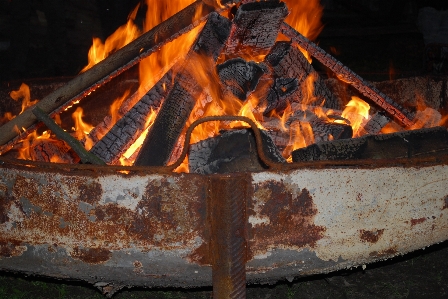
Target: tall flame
[(117, 40), (24, 94), (82, 128)]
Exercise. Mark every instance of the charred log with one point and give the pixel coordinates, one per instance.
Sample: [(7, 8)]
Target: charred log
[(239, 77), (255, 27), (179, 103), (232, 151), (132, 124), (406, 144), (402, 115), (289, 64)]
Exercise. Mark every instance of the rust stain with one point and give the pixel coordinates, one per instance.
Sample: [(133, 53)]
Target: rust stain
[(11, 248), (201, 255), (90, 193), (445, 205), (370, 236), (383, 253), (91, 255), (291, 218), (4, 206), (170, 215), (417, 221)]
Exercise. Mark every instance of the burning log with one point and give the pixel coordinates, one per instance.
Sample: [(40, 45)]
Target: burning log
[(374, 124), (84, 155), (132, 124), (232, 151), (403, 116), (289, 64), (239, 77), (112, 66), (255, 28), (279, 93), (179, 103), (406, 144)]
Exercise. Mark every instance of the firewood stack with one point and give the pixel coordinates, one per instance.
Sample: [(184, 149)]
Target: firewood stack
[(245, 61)]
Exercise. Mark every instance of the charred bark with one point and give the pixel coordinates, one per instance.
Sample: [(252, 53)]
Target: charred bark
[(238, 77), (289, 64), (179, 103), (255, 27), (406, 144), (132, 124), (232, 151)]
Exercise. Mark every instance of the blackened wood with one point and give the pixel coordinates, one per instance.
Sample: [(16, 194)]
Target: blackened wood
[(53, 151), (375, 124), (405, 144), (402, 115), (288, 63), (179, 103), (112, 66), (239, 77), (85, 156), (129, 127), (255, 27), (279, 93), (232, 151), (325, 131)]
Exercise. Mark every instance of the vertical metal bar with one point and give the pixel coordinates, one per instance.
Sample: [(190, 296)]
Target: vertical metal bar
[(228, 234)]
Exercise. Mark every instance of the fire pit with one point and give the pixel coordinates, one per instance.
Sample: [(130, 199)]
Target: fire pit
[(116, 226)]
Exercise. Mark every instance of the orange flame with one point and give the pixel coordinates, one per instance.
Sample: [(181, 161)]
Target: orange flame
[(129, 156), (117, 40), (24, 94), (356, 111), (29, 142), (82, 128)]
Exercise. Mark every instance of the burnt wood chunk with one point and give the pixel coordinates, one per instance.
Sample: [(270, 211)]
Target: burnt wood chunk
[(176, 109), (239, 77), (279, 93), (288, 63), (375, 124), (325, 131), (53, 151), (128, 128), (405, 144), (255, 27), (232, 151)]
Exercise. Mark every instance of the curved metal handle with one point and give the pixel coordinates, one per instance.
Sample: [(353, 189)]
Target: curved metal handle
[(266, 160)]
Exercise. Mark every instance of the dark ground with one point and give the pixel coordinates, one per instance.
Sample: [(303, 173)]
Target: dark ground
[(389, 46)]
